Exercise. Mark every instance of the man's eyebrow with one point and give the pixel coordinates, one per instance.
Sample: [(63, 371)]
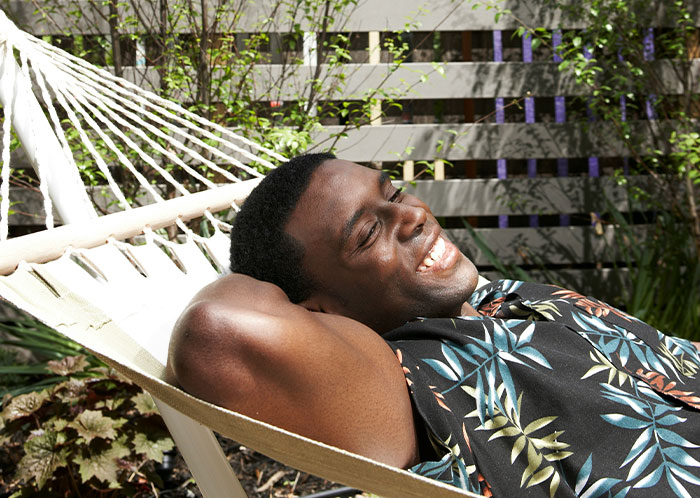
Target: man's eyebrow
[(383, 178)]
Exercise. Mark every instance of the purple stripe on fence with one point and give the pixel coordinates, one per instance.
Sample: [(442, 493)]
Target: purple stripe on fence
[(497, 46), (623, 108), (500, 110), (649, 56), (623, 116), (593, 167), (556, 41), (501, 170), (593, 164)]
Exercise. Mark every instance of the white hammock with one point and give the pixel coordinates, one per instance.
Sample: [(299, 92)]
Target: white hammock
[(120, 300)]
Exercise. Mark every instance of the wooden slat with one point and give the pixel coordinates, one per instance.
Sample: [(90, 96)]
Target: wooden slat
[(473, 80), (518, 196), (544, 246), (368, 15), (607, 284), (465, 197), (485, 141)]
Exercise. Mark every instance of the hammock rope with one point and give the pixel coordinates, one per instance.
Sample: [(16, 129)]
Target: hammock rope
[(109, 116), (8, 83)]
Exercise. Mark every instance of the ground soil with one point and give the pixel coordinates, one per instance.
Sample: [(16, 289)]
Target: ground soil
[(260, 476)]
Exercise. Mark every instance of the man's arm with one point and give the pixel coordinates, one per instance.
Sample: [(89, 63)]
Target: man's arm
[(243, 345)]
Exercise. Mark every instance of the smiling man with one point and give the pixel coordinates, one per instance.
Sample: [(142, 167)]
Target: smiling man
[(345, 291)]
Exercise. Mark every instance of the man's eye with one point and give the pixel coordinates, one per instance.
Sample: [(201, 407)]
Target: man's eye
[(369, 235), (396, 195)]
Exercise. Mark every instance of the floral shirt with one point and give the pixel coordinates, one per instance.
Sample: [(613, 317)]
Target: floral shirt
[(551, 393)]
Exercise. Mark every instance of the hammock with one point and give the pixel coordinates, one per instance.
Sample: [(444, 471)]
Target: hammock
[(120, 299)]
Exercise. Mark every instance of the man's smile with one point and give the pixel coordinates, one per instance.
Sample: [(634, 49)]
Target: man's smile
[(441, 255)]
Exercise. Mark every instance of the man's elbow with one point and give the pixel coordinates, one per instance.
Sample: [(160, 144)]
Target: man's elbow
[(194, 347), (211, 351)]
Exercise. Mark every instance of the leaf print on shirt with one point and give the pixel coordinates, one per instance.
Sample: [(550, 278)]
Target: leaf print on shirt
[(681, 354), (488, 360), (451, 467), (505, 287), (612, 340), (665, 386), (603, 365), (538, 450), (652, 416), (592, 306), (598, 488)]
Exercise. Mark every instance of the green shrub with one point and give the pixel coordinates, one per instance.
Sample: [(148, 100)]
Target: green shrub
[(84, 436)]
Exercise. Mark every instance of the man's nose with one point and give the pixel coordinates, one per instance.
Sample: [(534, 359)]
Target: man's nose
[(410, 220)]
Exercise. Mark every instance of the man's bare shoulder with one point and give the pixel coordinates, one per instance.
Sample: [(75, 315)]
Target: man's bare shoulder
[(227, 320), (243, 345)]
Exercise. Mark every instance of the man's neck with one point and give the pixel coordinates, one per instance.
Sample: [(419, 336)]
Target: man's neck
[(468, 310)]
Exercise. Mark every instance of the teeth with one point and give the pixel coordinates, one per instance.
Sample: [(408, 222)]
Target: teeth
[(438, 249), (435, 254)]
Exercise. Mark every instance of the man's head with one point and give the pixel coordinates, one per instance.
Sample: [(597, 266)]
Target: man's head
[(369, 252), (260, 247)]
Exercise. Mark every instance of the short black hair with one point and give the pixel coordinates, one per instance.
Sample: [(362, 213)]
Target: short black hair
[(260, 247)]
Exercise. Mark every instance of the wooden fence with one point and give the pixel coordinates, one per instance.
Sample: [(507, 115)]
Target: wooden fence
[(531, 177)]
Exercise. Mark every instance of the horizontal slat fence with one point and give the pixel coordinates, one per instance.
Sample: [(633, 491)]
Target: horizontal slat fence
[(364, 16), (532, 177)]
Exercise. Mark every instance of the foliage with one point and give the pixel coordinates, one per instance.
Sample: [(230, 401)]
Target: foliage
[(70, 425), (83, 435), (638, 82), (665, 286), (46, 346), (634, 92)]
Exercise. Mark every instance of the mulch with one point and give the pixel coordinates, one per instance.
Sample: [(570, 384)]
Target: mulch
[(260, 476)]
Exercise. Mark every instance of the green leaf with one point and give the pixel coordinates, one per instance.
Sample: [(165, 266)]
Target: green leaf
[(23, 369), (102, 464), (505, 432), (541, 476), (68, 365), (517, 448), (144, 404), (559, 455), (92, 424), (24, 405), (110, 403), (152, 448), (538, 424), (43, 455), (70, 390)]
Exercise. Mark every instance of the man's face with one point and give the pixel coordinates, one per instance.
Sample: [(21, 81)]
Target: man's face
[(377, 255)]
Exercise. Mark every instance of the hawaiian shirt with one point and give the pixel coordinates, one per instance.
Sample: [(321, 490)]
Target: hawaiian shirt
[(550, 393)]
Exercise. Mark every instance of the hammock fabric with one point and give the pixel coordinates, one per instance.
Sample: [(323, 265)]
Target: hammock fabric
[(120, 300)]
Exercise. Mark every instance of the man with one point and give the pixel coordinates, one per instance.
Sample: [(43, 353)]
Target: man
[(521, 382)]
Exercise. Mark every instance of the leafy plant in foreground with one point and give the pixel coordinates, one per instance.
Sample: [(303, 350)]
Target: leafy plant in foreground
[(45, 345), (93, 435)]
